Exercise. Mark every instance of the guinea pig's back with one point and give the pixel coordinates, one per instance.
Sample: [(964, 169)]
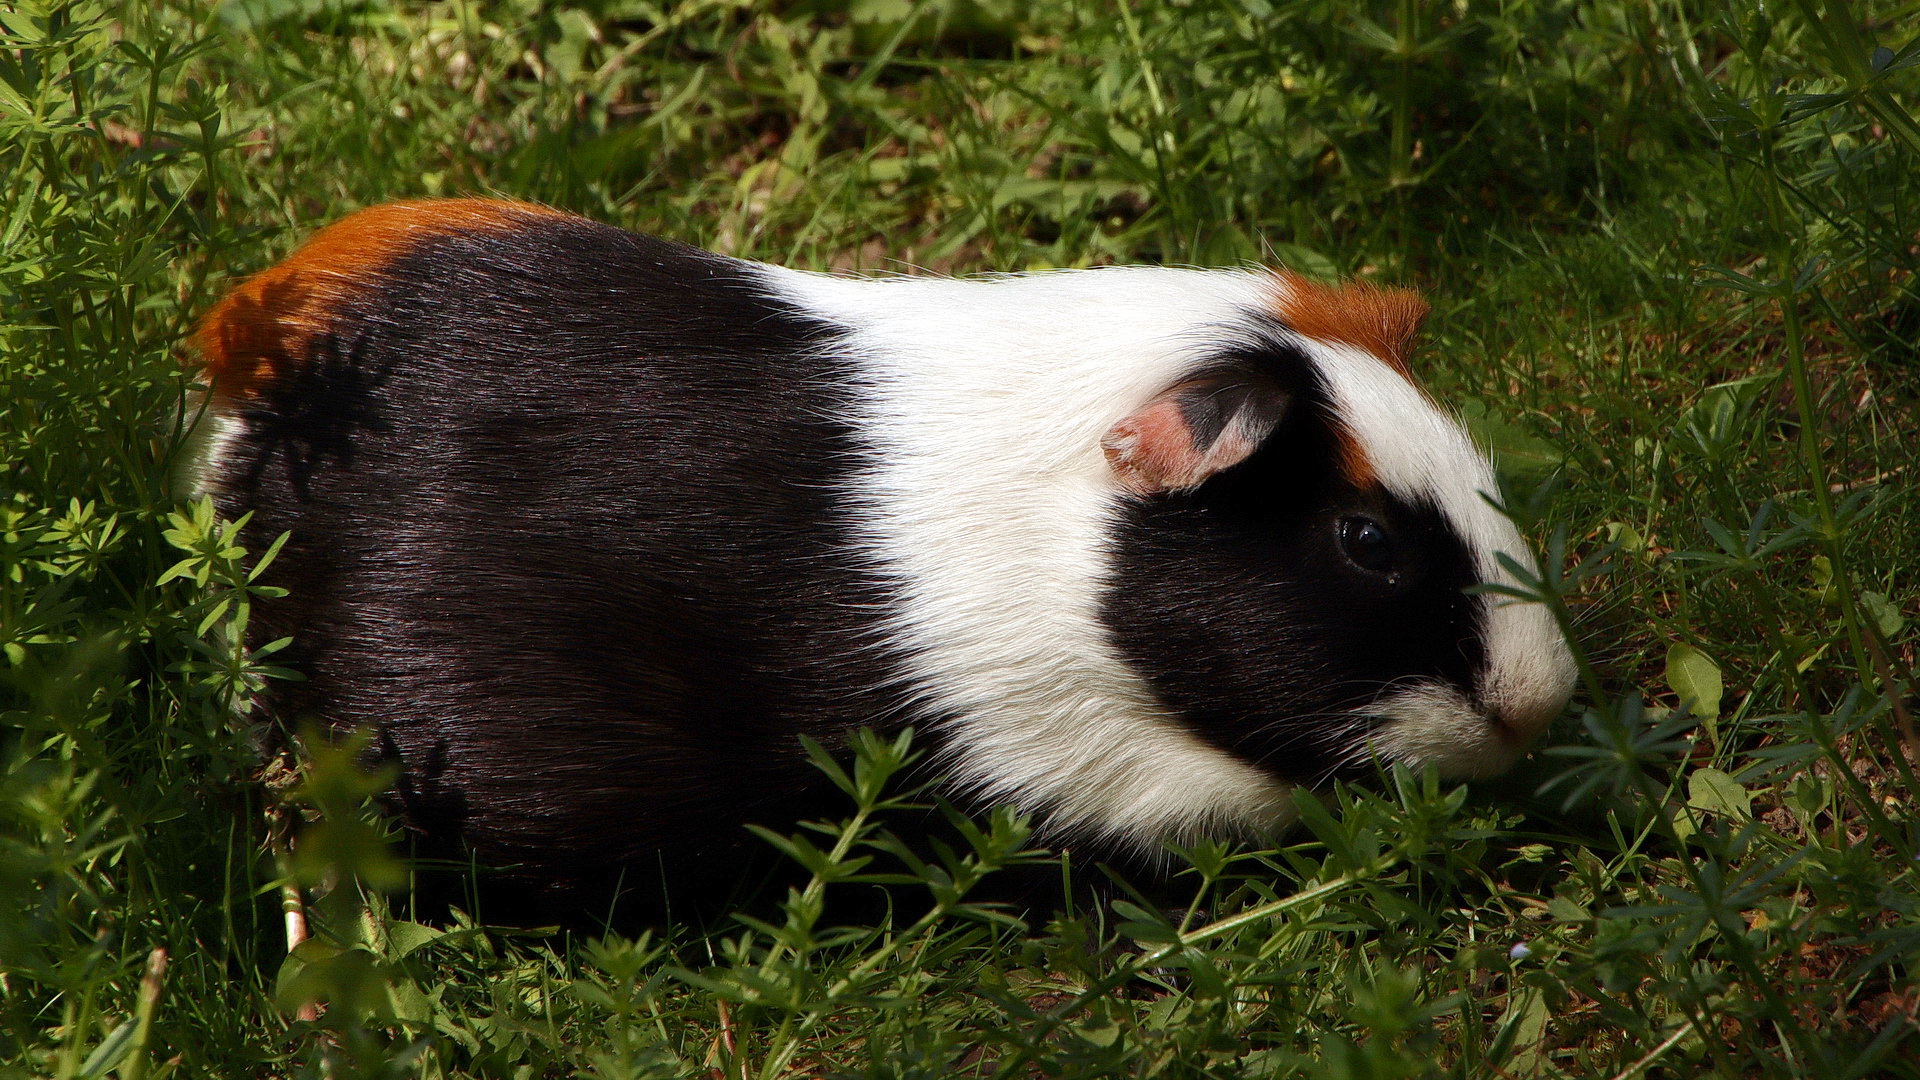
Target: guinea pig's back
[(561, 500)]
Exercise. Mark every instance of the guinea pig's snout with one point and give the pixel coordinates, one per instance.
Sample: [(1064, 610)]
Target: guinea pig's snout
[(1478, 731), (1528, 678), (1523, 696), (1519, 723)]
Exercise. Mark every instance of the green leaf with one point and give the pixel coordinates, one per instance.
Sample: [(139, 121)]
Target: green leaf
[(185, 568), (110, 1051), (1304, 260), (1567, 910), (405, 937), (1717, 793), (1628, 538), (1885, 614), (1518, 454), (253, 14), (1720, 277), (1696, 678), (1681, 820), (1144, 925), (1521, 1032), (407, 1003)]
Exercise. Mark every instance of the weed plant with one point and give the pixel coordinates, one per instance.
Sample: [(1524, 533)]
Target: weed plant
[(1672, 248)]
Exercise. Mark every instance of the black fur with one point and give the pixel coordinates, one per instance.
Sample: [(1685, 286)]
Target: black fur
[(562, 511)]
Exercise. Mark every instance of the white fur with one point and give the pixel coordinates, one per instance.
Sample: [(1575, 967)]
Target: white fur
[(986, 401), (206, 446)]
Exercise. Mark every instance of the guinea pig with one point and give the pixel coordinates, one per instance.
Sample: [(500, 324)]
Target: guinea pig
[(592, 527)]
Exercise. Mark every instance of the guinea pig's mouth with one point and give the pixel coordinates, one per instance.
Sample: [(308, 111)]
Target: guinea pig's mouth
[(1505, 732), (1436, 724)]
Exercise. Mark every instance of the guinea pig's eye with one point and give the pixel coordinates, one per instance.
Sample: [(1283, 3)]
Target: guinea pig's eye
[(1366, 543)]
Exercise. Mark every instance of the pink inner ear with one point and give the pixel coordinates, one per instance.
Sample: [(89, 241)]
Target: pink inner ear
[(1154, 451)]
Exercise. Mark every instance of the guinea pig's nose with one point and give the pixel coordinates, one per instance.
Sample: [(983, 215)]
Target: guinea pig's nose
[(1521, 720)]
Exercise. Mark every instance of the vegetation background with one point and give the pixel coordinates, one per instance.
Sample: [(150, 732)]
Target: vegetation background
[(1671, 246)]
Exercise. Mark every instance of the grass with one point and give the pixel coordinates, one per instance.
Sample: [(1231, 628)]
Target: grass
[(1671, 247)]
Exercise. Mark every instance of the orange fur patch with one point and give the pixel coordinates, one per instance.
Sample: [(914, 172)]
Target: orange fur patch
[(269, 322), (1381, 321), (1353, 461)]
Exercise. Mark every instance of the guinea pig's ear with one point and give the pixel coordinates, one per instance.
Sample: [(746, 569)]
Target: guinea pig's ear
[(1192, 430)]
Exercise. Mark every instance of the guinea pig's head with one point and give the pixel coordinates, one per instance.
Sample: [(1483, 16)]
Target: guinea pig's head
[(1298, 540)]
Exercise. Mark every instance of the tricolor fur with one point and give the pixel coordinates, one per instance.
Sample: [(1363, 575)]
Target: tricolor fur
[(592, 526)]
